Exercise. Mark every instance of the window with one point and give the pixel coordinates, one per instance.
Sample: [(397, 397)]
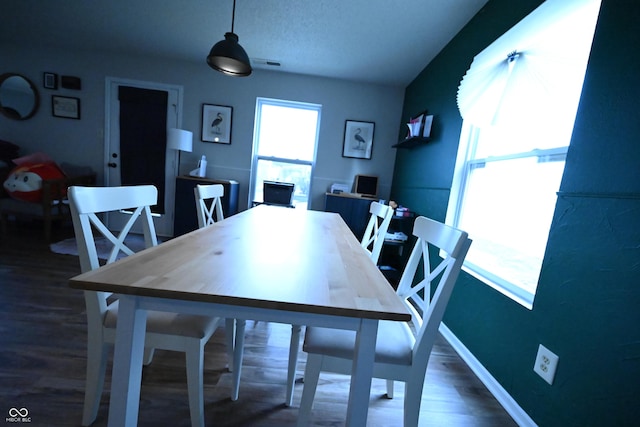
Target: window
[(284, 147), (518, 110), (504, 198)]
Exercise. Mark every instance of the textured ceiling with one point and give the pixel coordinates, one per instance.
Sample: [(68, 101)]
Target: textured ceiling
[(376, 41)]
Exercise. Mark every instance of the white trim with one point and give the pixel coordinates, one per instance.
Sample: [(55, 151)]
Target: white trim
[(502, 396), (539, 153)]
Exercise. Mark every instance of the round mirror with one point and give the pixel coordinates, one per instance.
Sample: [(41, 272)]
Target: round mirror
[(19, 99)]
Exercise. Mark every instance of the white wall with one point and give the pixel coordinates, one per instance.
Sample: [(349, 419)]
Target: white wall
[(82, 142)]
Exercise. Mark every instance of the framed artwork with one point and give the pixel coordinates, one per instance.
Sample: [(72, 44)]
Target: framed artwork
[(50, 81), (71, 82), (66, 107), (216, 123), (358, 139)]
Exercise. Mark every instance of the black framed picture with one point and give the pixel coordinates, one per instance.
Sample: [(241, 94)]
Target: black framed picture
[(216, 123), (71, 82), (358, 139), (50, 81), (66, 107)]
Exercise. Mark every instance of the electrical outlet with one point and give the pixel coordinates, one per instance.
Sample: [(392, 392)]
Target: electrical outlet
[(546, 364)]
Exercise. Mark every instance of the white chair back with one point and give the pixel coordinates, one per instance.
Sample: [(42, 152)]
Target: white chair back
[(209, 212), (377, 227), (167, 331), (85, 205), (87, 202), (428, 298)]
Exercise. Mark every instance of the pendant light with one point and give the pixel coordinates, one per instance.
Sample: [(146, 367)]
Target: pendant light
[(227, 56)]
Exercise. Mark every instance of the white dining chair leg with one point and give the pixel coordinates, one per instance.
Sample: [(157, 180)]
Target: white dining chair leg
[(294, 347), (389, 389), (311, 376), (238, 353), (96, 368), (195, 382), (126, 376), (412, 397), (230, 333)]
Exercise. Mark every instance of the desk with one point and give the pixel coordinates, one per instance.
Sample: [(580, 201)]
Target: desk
[(353, 208), (267, 263)]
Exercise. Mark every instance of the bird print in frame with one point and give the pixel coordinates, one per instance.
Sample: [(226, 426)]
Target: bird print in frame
[(358, 139), (216, 123)]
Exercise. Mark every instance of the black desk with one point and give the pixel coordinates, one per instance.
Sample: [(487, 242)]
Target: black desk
[(353, 208)]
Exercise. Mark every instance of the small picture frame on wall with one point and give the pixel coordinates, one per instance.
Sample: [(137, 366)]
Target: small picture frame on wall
[(216, 123), (50, 81), (65, 107), (358, 139), (71, 82)]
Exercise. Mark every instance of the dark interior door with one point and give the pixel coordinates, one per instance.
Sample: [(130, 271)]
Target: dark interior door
[(143, 139)]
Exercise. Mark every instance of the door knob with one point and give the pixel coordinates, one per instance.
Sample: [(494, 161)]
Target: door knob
[(112, 165)]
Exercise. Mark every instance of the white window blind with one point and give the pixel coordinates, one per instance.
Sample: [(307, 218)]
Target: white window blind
[(535, 69)]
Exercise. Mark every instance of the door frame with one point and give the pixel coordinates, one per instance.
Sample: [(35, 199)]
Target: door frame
[(163, 223)]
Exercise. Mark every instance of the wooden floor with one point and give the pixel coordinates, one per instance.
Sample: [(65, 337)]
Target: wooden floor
[(42, 362)]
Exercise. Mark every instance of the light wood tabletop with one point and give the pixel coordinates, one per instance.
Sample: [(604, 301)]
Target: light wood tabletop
[(265, 257), (267, 263)]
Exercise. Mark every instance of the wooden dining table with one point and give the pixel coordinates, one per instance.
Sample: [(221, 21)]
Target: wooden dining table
[(268, 263)]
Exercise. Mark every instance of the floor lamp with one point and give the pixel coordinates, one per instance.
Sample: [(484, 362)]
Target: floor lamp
[(180, 140)]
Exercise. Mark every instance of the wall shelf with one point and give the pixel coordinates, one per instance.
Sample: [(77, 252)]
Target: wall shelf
[(414, 141)]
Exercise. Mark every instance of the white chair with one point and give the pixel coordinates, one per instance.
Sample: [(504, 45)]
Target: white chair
[(209, 203), (402, 353), (373, 238), (209, 209), (377, 227), (167, 331)]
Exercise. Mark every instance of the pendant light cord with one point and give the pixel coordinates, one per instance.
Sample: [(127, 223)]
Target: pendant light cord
[(233, 15)]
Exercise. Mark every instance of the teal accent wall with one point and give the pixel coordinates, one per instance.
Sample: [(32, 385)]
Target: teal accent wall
[(587, 307)]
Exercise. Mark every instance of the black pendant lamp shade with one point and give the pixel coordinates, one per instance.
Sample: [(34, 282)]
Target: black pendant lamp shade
[(227, 56)]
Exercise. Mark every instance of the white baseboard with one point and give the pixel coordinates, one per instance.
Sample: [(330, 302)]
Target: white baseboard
[(494, 387)]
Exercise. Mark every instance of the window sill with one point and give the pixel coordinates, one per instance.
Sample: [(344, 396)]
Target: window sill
[(518, 295)]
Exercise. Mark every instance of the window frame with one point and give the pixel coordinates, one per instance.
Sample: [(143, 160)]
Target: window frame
[(465, 162), (256, 157), (492, 93)]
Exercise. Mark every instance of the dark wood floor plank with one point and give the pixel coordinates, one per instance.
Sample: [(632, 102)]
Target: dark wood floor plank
[(43, 362)]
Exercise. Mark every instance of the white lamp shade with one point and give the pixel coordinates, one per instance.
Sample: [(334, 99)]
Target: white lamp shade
[(179, 139)]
